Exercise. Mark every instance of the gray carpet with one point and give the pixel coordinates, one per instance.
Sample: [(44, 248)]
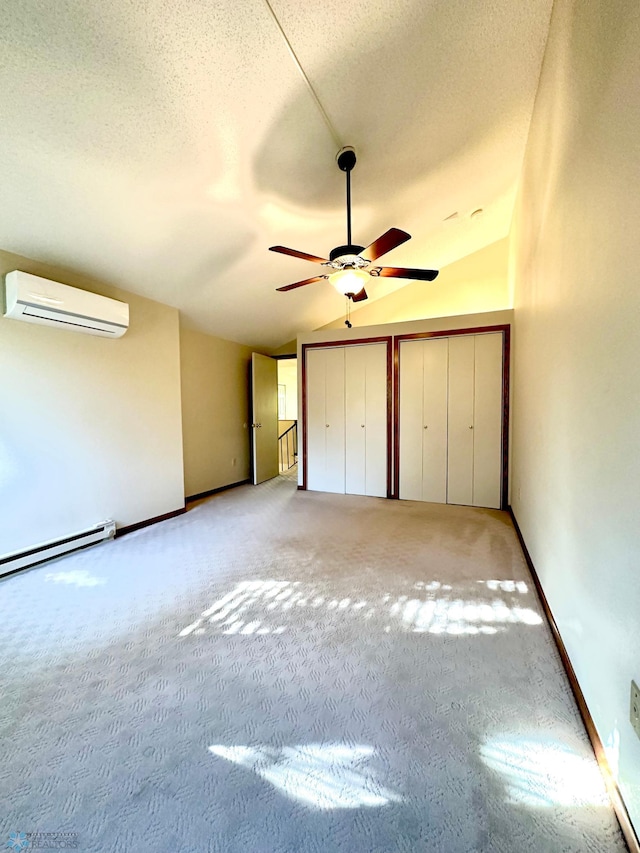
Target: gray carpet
[(286, 671)]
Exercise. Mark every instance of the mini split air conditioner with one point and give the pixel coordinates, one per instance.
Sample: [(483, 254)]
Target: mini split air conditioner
[(37, 300)]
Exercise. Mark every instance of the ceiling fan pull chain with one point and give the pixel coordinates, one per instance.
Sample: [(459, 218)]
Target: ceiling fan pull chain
[(347, 322)]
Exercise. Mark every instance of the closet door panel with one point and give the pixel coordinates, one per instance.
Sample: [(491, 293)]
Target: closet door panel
[(325, 419), (316, 431), (335, 420), (460, 427), (375, 421), (355, 399), (487, 424), (410, 419), (434, 422), (366, 420)]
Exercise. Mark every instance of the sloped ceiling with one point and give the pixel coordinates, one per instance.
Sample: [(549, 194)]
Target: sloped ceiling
[(163, 147)]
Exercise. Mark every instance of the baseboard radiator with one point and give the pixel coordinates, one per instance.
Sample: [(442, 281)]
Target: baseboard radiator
[(26, 557)]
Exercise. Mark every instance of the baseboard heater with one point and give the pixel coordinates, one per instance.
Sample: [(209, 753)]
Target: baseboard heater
[(26, 557)]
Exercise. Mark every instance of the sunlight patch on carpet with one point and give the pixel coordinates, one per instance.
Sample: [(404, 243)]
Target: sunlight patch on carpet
[(321, 776), (79, 577), (271, 607), (544, 773)]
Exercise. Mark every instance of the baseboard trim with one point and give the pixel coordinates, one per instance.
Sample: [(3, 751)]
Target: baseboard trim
[(130, 528), (210, 492), (9, 574), (617, 800)]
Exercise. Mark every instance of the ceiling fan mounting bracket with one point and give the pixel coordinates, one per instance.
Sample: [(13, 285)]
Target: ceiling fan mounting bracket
[(346, 158)]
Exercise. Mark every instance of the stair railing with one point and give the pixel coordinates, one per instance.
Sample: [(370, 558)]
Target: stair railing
[(288, 447)]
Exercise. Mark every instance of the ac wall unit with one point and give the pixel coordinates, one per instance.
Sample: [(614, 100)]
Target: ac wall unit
[(37, 300)]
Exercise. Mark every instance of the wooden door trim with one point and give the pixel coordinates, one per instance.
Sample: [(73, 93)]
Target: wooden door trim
[(505, 329), (384, 339)]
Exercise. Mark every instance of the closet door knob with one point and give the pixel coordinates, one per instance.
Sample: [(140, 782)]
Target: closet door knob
[(327, 426), (426, 426), (362, 425), (471, 427)]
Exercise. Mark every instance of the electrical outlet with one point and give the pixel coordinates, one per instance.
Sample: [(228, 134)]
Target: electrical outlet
[(635, 707)]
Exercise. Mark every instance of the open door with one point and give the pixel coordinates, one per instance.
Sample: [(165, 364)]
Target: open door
[(264, 413)]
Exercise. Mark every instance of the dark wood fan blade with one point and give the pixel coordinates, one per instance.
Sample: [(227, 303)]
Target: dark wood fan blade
[(400, 272), (302, 283), (360, 296), (296, 254), (388, 241)]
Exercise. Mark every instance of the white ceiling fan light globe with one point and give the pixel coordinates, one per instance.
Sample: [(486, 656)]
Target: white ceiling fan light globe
[(349, 281)]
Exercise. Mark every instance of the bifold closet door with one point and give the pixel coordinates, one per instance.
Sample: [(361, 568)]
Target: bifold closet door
[(423, 419), (450, 419), (411, 420), (475, 420), (366, 420), (325, 419), (487, 421), (460, 427)]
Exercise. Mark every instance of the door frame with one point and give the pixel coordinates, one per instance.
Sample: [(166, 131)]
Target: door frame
[(505, 329), (386, 339)]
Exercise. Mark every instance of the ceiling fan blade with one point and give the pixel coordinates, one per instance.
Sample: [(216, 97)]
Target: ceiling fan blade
[(360, 296), (302, 283), (296, 254), (388, 241), (401, 272)]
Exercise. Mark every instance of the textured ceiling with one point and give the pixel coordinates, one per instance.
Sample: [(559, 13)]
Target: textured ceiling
[(163, 147)]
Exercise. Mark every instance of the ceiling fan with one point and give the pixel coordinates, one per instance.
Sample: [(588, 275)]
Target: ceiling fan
[(351, 264)]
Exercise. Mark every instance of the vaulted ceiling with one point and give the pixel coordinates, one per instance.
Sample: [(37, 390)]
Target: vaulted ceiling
[(163, 147)]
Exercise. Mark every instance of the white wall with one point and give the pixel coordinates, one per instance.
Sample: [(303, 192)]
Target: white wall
[(576, 414), (90, 428), (215, 411), (288, 376)]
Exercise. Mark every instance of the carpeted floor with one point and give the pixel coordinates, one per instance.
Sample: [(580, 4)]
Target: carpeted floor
[(287, 671)]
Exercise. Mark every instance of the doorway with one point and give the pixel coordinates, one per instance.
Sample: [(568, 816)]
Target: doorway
[(288, 415), (274, 407)]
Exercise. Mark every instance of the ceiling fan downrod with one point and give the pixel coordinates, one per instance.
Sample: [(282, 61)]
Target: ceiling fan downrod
[(346, 159)]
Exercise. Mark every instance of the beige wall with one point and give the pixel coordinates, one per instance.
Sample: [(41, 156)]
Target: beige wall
[(90, 428), (286, 349), (576, 416), (288, 376), (474, 284), (436, 324), (215, 411)]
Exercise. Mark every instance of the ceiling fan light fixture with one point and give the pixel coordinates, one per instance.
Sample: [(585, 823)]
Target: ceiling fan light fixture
[(349, 280), (350, 263)]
